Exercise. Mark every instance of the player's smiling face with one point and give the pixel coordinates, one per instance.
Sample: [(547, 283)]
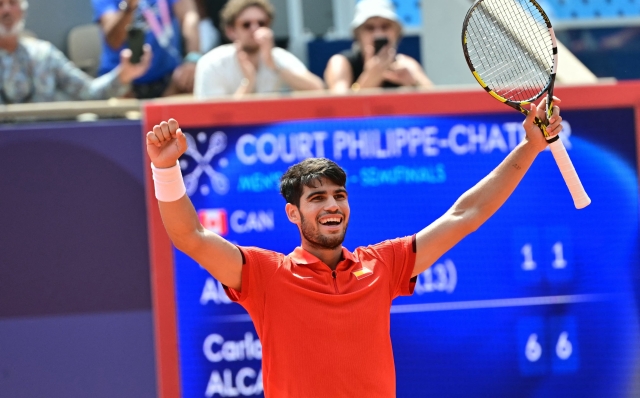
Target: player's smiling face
[(323, 214)]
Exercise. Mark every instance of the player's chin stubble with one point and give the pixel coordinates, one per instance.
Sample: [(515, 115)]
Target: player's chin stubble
[(314, 237)]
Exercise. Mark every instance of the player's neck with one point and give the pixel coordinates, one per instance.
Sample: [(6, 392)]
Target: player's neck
[(330, 257)]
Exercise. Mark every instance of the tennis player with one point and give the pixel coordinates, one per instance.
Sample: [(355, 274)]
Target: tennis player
[(322, 312)]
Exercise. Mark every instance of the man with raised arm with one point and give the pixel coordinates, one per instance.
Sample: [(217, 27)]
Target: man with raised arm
[(322, 312)]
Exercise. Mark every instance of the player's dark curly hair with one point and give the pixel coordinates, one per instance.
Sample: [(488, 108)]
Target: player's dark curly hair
[(306, 173)]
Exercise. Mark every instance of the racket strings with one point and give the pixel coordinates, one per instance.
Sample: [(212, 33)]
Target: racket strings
[(522, 77), (507, 51), (510, 47), (524, 74), (528, 76), (503, 68)]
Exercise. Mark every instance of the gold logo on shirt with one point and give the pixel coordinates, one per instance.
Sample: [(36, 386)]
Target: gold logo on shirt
[(362, 273)]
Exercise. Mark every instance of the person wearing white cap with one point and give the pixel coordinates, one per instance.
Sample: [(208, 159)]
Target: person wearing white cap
[(363, 66)]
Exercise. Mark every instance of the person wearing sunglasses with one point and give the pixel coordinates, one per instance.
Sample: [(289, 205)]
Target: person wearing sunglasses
[(251, 63), (373, 61)]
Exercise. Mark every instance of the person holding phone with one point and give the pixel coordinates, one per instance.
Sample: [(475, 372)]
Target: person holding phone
[(373, 60), (33, 70), (169, 27)]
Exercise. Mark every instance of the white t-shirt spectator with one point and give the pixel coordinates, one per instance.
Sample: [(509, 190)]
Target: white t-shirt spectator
[(218, 72)]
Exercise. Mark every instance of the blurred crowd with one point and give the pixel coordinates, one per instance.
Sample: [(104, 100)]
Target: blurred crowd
[(208, 48)]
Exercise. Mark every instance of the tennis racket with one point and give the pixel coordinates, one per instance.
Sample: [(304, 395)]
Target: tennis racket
[(511, 50)]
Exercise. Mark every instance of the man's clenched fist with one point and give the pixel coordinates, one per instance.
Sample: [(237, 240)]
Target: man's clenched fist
[(165, 144)]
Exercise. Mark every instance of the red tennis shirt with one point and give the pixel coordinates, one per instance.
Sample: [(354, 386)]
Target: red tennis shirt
[(325, 333)]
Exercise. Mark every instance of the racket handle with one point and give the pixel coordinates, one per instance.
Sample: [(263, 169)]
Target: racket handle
[(579, 195)]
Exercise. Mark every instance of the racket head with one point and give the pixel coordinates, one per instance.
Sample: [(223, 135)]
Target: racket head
[(511, 49)]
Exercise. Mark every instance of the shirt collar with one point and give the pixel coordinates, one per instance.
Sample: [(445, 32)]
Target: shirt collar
[(301, 256)]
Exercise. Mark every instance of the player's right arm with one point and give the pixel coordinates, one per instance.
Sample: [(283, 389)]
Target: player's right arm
[(165, 144)]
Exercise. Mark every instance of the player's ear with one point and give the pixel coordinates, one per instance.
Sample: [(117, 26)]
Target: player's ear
[(293, 213)]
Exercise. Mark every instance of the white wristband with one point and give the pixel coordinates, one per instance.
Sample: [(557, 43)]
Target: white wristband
[(168, 183)]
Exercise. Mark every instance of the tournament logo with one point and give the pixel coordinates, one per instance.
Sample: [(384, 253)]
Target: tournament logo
[(217, 143)]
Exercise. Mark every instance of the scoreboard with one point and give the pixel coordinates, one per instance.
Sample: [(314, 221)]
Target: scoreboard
[(540, 301)]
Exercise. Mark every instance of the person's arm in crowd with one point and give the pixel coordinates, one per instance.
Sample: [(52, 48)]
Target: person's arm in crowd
[(221, 258), (187, 14), (300, 79), (248, 83), (79, 86), (407, 72), (480, 202), (114, 24), (339, 75), (184, 75), (375, 66)]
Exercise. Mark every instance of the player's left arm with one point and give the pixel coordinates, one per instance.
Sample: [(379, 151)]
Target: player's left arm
[(480, 202)]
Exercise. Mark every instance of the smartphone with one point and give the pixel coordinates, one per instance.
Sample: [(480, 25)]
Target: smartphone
[(135, 42), (379, 42)]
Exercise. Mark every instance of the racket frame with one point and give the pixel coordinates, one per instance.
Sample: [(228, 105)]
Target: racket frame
[(579, 195), (518, 105)]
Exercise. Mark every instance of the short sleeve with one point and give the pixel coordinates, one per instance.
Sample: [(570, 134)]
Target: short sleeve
[(209, 81), (286, 60), (258, 266), (399, 256), (101, 7)]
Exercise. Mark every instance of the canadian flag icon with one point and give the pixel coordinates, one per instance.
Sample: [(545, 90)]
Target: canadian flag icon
[(215, 220)]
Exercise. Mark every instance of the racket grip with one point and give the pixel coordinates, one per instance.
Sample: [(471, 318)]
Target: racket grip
[(579, 195)]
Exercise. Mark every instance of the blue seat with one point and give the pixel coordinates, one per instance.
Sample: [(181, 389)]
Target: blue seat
[(409, 12), (628, 8), (591, 9)]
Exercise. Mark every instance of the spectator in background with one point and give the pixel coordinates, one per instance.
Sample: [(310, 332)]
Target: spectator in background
[(251, 64), (166, 23), (212, 9), (361, 67), (210, 35), (33, 70)]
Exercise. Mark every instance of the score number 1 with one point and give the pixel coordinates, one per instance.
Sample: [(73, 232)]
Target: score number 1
[(529, 264), (542, 253)]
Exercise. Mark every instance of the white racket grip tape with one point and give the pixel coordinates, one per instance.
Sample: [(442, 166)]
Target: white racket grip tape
[(579, 195), (168, 183)]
